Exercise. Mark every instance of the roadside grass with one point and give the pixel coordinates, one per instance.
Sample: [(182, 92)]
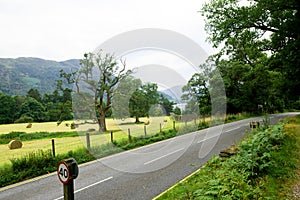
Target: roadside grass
[(279, 187), (263, 168)]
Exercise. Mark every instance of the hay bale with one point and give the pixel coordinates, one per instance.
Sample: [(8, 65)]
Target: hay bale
[(15, 144), (29, 125), (74, 126)]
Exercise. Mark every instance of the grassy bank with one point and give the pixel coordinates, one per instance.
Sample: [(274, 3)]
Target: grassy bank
[(263, 168)]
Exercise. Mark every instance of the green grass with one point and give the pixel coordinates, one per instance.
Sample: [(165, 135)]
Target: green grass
[(23, 136), (263, 168)]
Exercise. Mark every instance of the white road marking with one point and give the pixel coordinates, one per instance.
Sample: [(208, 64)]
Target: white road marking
[(232, 129), (207, 139), (217, 135), (151, 161), (88, 186)]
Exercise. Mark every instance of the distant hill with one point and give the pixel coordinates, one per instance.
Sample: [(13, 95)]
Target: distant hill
[(19, 75), (173, 94)]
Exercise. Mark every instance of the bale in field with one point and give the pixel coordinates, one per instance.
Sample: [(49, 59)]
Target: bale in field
[(74, 126), (29, 125), (15, 144)]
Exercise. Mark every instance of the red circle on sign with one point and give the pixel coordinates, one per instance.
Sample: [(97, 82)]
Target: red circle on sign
[(63, 172)]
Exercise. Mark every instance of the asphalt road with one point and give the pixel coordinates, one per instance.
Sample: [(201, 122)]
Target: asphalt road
[(142, 173)]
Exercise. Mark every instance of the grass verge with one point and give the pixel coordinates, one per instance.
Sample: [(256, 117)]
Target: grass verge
[(263, 168)]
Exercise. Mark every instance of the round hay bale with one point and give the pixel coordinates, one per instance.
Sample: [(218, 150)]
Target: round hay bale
[(15, 144), (73, 126)]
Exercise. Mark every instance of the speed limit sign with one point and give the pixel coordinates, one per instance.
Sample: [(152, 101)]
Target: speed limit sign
[(63, 172)]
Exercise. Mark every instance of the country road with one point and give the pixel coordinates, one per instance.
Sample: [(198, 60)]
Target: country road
[(141, 173)]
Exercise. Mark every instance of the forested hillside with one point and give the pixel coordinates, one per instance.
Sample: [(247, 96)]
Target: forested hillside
[(17, 76)]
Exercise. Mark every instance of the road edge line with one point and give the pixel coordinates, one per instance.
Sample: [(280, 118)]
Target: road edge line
[(182, 180)]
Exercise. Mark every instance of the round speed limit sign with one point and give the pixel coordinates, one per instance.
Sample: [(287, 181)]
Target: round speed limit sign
[(63, 172)]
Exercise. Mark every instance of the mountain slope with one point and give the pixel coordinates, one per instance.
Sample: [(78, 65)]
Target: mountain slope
[(19, 75)]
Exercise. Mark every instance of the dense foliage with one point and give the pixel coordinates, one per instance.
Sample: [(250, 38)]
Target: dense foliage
[(134, 99), (33, 107), (259, 57)]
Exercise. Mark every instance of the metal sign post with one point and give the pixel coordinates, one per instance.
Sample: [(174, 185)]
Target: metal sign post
[(67, 171)]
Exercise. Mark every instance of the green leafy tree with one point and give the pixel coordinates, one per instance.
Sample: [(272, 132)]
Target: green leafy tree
[(260, 42), (34, 93), (166, 104), (142, 99), (121, 98), (32, 108), (177, 111), (196, 92), (7, 109)]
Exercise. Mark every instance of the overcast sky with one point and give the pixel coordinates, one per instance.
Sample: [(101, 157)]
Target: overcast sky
[(65, 29)]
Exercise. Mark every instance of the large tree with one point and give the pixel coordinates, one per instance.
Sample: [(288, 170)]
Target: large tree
[(167, 105), (122, 96), (34, 109), (34, 93), (8, 109), (95, 84), (260, 42), (196, 93), (142, 99)]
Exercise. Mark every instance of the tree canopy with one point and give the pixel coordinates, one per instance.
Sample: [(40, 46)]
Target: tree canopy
[(259, 57)]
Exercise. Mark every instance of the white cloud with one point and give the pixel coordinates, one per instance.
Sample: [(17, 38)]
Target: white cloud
[(66, 29)]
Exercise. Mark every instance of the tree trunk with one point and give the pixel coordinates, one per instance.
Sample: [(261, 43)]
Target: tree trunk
[(102, 123), (137, 120)]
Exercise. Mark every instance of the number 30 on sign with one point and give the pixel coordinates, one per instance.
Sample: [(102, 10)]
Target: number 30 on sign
[(63, 172)]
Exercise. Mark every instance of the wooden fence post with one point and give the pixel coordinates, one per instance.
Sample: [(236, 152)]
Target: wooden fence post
[(174, 128), (129, 136), (88, 142), (53, 148)]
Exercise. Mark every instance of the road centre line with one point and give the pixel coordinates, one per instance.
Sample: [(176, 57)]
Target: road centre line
[(88, 186), (151, 161), (207, 139), (217, 135), (232, 129)]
